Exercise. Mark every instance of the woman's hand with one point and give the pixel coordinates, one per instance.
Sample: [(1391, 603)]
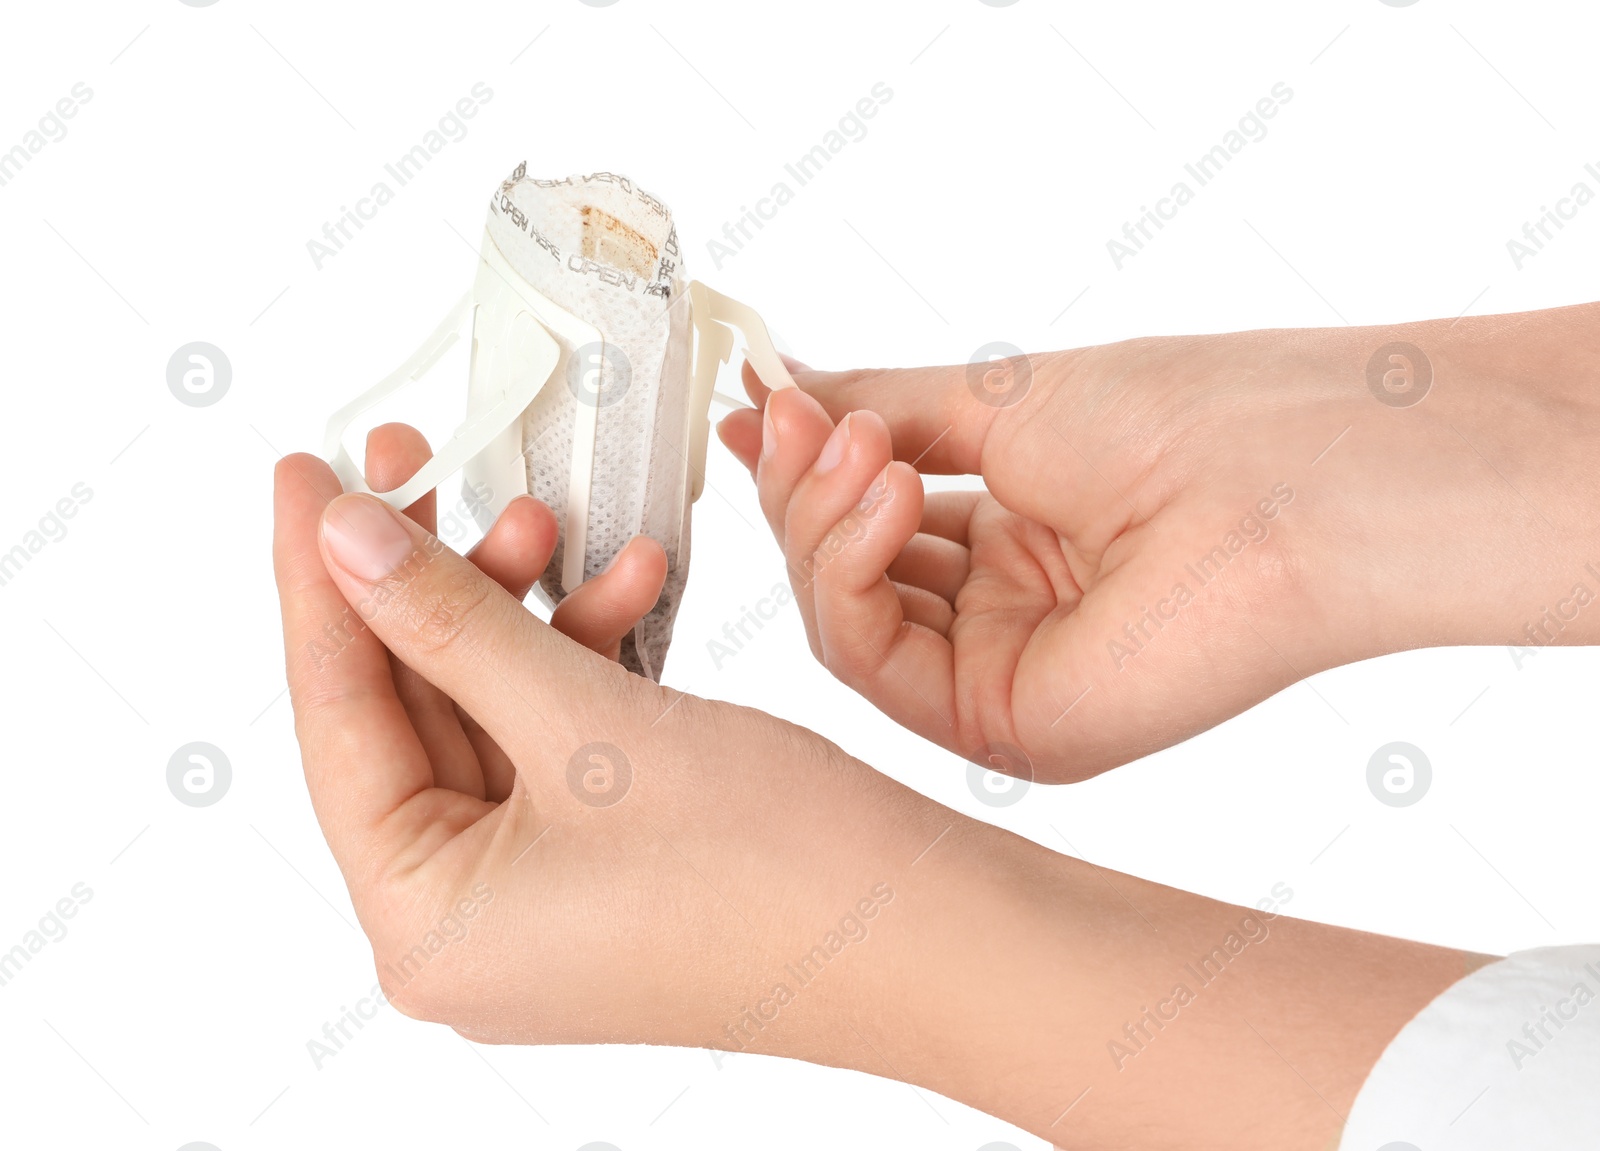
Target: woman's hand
[(1175, 529), (541, 846), (513, 554)]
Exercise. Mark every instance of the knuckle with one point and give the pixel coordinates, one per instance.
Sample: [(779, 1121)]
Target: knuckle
[(447, 607), (1269, 575), (848, 656), (1278, 573), (327, 695), (856, 667)]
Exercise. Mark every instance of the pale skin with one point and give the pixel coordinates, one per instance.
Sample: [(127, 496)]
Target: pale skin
[(436, 743), (974, 619)]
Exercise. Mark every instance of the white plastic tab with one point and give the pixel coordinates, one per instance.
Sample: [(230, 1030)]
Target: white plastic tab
[(711, 312), (514, 355)]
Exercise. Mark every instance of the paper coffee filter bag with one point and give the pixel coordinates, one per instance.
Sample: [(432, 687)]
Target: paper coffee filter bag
[(580, 388), (605, 250)]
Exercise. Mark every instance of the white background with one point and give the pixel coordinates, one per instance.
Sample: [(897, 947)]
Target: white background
[(219, 140)]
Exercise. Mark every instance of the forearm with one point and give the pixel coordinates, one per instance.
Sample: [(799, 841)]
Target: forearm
[(1200, 1018), (1090, 1007)]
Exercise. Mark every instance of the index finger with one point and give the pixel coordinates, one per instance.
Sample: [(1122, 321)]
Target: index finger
[(936, 420)]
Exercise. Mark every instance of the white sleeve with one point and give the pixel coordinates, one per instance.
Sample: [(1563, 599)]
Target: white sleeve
[(1505, 1058)]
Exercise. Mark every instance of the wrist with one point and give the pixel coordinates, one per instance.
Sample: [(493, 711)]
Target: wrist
[(811, 885), (1468, 516), (1528, 410)]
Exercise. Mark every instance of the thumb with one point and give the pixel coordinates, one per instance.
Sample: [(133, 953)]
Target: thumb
[(452, 624)]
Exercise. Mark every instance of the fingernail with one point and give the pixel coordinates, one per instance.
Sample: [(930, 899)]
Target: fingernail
[(365, 537), (769, 432), (833, 451)]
